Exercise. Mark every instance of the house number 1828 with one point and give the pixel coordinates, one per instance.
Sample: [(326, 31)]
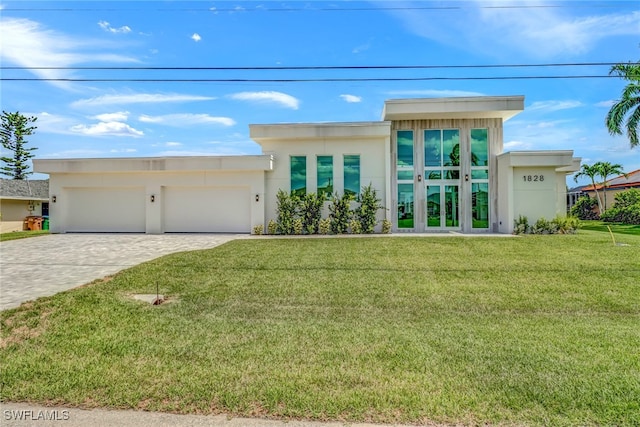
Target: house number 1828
[(533, 178)]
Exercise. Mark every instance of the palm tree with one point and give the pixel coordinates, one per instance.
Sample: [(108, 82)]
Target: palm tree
[(591, 172), (605, 170), (628, 104)]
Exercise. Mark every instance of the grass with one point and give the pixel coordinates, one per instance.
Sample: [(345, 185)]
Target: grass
[(533, 330), (615, 228), (21, 235)]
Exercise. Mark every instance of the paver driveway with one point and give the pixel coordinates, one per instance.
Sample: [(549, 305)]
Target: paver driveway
[(45, 265)]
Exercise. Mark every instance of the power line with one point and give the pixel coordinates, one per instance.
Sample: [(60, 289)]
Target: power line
[(309, 8), (312, 67), (324, 80)]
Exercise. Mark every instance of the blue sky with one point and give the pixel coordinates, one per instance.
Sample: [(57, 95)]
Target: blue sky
[(165, 118)]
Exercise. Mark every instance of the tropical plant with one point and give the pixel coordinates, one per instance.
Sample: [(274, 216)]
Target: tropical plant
[(272, 227), (386, 226), (367, 211), (591, 172), (583, 208), (628, 106), (626, 208), (287, 208), (311, 211), (605, 170), (340, 213), (15, 127)]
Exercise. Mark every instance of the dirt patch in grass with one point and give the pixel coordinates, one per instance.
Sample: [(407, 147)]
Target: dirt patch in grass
[(23, 325)]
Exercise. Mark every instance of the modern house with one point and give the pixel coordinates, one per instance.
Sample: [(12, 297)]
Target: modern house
[(436, 164), (20, 199)]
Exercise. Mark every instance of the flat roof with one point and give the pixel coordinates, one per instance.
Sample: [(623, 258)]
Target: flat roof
[(475, 107), (153, 164), (322, 130)]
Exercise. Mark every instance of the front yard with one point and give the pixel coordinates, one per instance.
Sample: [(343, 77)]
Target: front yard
[(534, 330)]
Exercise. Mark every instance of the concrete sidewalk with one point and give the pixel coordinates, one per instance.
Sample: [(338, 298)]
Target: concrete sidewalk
[(23, 415), (45, 265)]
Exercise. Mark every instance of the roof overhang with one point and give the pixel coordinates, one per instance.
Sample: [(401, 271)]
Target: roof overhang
[(309, 131), (562, 160), (477, 107), (155, 164)]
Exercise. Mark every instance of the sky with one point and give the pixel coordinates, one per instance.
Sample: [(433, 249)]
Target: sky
[(74, 66)]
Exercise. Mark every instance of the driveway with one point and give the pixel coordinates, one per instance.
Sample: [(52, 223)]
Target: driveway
[(42, 266)]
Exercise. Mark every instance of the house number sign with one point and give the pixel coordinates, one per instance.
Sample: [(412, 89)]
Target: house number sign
[(533, 178)]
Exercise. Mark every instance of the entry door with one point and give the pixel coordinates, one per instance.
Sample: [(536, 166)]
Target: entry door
[(442, 179), (442, 206)]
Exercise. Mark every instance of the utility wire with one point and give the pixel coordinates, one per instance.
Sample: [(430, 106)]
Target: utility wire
[(324, 80), (312, 67)]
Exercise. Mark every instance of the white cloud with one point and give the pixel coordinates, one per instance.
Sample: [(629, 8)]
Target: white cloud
[(351, 98), (139, 98), (123, 150), (107, 129), (433, 93), (107, 27), (49, 48), (120, 116), (553, 105), (517, 146), (540, 32), (196, 37), (279, 98), (606, 104), (173, 144), (187, 119)]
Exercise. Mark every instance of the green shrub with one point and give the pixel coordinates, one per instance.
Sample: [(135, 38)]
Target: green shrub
[(355, 226), (298, 226), (566, 224), (521, 225), (310, 210), (258, 229), (368, 209), (324, 227), (542, 226), (272, 227), (584, 208), (386, 226), (626, 208), (287, 206), (340, 213)]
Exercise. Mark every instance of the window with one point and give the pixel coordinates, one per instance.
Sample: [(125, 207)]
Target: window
[(325, 176), (441, 154), (404, 141), (298, 175), (480, 178), (351, 174)]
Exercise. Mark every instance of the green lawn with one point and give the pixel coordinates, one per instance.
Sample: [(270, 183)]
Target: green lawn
[(615, 228), (533, 330), (21, 234)]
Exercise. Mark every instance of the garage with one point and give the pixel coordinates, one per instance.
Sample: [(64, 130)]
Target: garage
[(206, 209), (109, 209)]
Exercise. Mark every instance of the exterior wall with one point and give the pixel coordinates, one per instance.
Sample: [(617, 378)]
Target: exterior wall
[(302, 140), (533, 184), (13, 213), (495, 135), (149, 184)]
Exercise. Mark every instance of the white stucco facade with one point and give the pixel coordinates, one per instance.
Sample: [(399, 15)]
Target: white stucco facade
[(436, 165)]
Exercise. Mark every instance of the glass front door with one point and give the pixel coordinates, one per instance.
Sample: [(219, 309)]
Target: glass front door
[(442, 178), (443, 206)]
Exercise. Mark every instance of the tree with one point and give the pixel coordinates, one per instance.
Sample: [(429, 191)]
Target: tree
[(15, 127), (605, 170), (591, 172), (627, 105)]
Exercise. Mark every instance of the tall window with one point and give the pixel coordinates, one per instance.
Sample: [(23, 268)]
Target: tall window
[(351, 174), (299, 175), (442, 154), (480, 178), (404, 164), (325, 176)]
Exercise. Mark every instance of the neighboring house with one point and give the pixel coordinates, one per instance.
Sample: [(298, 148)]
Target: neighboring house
[(614, 186), (436, 164), (575, 193), (20, 199)]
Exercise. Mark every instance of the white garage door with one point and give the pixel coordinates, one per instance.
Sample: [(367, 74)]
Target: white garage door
[(106, 210), (207, 209)]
